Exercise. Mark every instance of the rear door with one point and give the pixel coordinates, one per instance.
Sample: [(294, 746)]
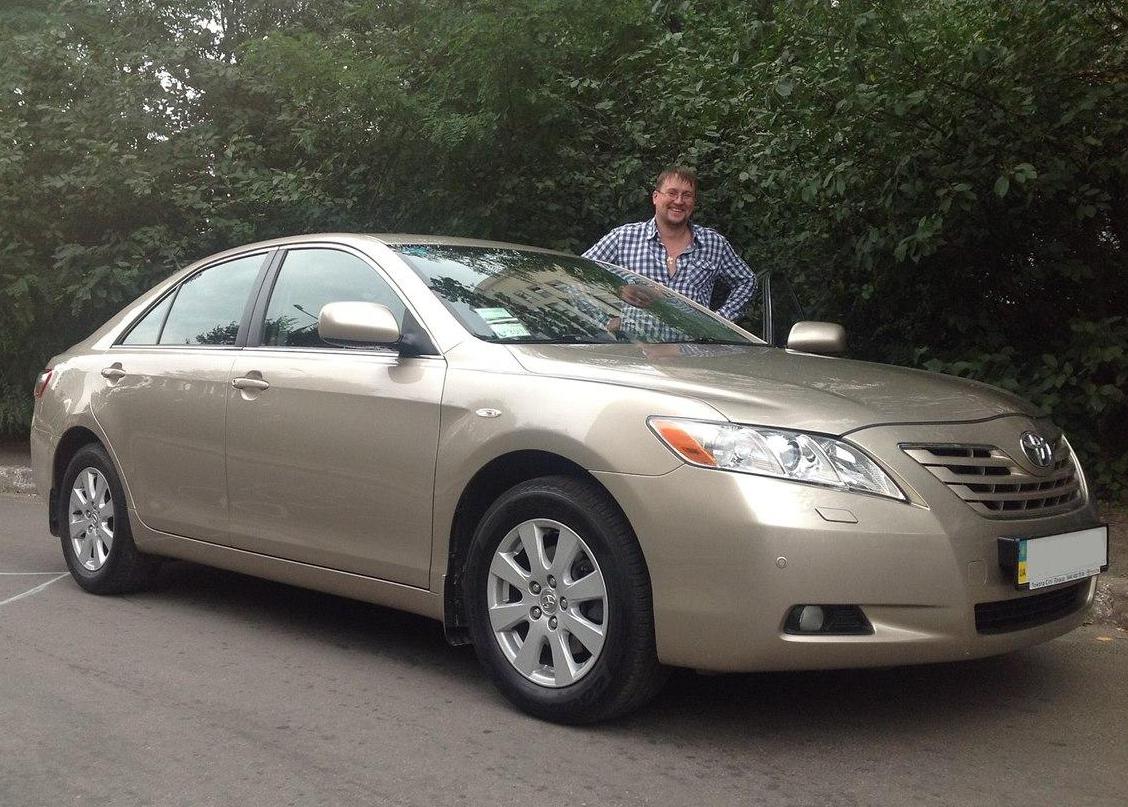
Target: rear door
[(162, 397), (331, 451)]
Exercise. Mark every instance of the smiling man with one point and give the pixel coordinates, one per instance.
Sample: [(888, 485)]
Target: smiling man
[(677, 253)]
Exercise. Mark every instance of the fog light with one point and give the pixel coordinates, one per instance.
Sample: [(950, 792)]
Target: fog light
[(834, 620), (811, 618)]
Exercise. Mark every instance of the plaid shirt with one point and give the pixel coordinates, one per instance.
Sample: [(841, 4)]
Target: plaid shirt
[(637, 247)]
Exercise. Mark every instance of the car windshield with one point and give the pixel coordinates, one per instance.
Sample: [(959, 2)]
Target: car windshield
[(512, 295)]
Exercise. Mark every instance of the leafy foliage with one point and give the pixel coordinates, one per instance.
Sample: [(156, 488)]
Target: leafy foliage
[(948, 178), (1084, 382)]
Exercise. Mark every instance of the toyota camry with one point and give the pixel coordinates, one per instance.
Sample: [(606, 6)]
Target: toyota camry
[(589, 490)]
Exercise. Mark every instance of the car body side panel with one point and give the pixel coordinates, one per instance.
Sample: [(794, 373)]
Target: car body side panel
[(334, 463), (593, 425), (164, 420), (50, 420), (43, 442), (65, 405), (344, 584)]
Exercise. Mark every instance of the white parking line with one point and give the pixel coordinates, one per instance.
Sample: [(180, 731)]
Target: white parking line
[(17, 574), (35, 590)]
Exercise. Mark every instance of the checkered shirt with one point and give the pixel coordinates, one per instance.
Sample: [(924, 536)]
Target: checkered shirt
[(638, 248)]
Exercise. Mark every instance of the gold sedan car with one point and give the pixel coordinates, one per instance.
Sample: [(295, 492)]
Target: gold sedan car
[(456, 428)]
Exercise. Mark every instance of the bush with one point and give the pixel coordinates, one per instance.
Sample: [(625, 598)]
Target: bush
[(1081, 385), (948, 178)]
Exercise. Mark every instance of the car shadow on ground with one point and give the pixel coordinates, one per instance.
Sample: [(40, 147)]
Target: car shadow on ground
[(781, 705), (337, 621)]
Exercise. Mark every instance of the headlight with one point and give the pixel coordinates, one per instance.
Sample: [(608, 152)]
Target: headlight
[(774, 452)]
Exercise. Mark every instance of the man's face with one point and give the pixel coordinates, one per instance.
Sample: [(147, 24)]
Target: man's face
[(673, 202)]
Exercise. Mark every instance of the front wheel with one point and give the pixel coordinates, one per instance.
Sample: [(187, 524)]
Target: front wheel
[(559, 603)]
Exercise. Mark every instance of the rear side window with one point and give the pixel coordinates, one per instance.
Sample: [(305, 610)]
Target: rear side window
[(148, 330), (208, 307), (311, 278)]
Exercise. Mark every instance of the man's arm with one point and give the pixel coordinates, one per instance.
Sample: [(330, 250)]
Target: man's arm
[(741, 279), (605, 249)]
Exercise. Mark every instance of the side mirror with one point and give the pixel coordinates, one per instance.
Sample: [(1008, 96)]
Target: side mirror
[(356, 324), (817, 337)]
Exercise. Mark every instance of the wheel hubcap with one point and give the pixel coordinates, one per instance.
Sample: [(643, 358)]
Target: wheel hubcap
[(547, 603), (91, 522)]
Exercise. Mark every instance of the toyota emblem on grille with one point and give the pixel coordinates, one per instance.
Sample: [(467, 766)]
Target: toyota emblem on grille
[(1037, 448)]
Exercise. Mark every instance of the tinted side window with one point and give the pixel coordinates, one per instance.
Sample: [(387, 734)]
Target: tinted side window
[(209, 305), (309, 279), (148, 329)]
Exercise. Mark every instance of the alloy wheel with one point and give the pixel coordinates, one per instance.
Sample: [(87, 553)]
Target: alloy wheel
[(91, 521), (547, 602)]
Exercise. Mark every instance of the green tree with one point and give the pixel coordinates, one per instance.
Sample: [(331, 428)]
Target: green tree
[(949, 178)]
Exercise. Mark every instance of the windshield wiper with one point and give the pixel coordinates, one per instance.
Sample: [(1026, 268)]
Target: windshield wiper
[(554, 340), (708, 340)]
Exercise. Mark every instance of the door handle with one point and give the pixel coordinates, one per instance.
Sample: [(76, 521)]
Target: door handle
[(245, 382), (113, 372)]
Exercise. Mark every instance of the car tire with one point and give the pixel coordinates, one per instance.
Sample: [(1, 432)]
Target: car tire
[(94, 520), (575, 662)]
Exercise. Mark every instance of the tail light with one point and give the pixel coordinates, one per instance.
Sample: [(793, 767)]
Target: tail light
[(42, 382)]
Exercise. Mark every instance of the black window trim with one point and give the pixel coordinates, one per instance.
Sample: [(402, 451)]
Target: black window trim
[(171, 297), (270, 255)]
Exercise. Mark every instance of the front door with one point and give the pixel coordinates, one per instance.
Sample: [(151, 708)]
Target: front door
[(331, 451)]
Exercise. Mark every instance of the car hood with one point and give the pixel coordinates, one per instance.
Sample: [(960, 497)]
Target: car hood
[(773, 387)]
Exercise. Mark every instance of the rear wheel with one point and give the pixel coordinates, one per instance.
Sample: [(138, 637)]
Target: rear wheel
[(97, 541), (559, 603)]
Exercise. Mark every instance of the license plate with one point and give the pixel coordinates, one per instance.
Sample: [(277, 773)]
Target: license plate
[(1049, 560)]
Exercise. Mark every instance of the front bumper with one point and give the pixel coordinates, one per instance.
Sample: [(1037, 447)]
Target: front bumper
[(730, 554)]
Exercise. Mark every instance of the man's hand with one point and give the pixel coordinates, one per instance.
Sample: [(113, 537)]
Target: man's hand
[(637, 295)]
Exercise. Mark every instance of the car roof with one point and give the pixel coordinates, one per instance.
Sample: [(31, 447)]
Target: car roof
[(391, 240), (400, 239)]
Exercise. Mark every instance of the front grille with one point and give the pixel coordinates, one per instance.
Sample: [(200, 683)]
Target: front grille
[(995, 485), (1027, 612)]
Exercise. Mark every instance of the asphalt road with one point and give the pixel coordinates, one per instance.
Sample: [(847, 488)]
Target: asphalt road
[(216, 688)]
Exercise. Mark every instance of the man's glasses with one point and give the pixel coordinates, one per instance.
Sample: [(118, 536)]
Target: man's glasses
[(684, 196)]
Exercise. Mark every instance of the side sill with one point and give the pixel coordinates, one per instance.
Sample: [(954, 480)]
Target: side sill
[(331, 581)]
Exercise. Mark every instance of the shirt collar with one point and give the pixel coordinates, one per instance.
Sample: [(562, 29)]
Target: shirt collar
[(651, 233)]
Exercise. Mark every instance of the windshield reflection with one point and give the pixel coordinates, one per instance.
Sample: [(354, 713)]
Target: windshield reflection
[(516, 296)]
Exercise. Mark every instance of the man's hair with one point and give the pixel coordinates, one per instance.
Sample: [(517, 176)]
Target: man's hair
[(682, 172)]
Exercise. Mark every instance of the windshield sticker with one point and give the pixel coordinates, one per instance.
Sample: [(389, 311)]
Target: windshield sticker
[(502, 323)]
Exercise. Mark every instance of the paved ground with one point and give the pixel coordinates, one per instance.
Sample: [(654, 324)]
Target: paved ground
[(14, 452), (217, 689), (15, 476)]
